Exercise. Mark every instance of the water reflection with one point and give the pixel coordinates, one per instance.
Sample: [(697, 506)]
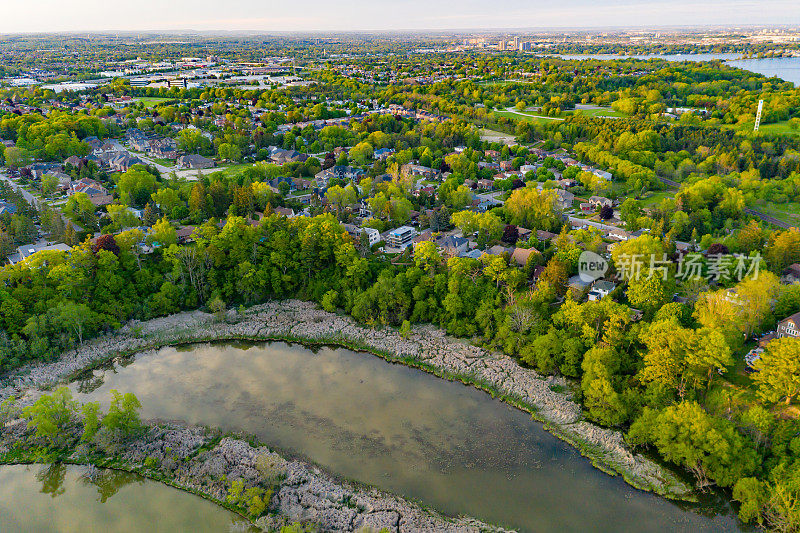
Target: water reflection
[(450, 446), (60, 498)]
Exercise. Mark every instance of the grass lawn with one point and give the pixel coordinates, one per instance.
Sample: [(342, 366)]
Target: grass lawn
[(496, 136), (781, 128), (164, 162), (652, 198), (526, 117), (534, 115), (502, 83), (230, 170), (152, 101), (602, 112), (788, 212)]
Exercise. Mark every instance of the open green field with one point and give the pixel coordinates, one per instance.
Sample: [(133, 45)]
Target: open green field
[(495, 136), (601, 112), (526, 117), (229, 170), (152, 101), (653, 198), (531, 115), (501, 83), (781, 128), (788, 212)]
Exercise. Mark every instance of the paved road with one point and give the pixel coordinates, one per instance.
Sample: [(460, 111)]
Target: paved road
[(514, 110), (31, 199)]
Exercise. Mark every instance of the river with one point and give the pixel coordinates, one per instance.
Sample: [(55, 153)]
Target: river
[(785, 68), (55, 498), (445, 444)]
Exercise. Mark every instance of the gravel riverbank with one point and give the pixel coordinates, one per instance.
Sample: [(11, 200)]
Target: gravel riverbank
[(204, 462), (427, 348)]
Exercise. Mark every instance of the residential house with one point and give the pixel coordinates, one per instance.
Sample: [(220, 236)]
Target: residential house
[(373, 235), (281, 157), (40, 169), (602, 174), (194, 161), (789, 327), (522, 255), (73, 160), (105, 148), (401, 237), (383, 153), (471, 254), (364, 210), (498, 249), (122, 161), (422, 237), (284, 212), (791, 274), (301, 184), (545, 236), (98, 194), (564, 199), (94, 143), (600, 289), (410, 169), (6, 207), (598, 202), (452, 246), (27, 250), (163, 148), (184, 234), (342, 172)]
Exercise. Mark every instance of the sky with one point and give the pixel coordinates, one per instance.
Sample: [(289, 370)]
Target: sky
[(19, 16)]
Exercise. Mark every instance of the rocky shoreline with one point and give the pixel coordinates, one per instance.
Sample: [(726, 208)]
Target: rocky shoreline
[(205, 462), (427, 348)]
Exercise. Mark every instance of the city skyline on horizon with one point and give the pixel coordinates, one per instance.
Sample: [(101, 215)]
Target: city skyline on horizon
[(53, 16)]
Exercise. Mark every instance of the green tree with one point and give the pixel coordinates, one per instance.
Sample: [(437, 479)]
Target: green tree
[(51, 414), (123, 414), (710, 447), (777, 373), (163, 233)]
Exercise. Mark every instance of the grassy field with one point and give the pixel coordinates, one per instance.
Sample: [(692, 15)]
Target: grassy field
[(781, 128), (496, 136), (532, 115), (652, 198), (526, 117), (230, 170), (789, 212), (152, 101), (601, 112)]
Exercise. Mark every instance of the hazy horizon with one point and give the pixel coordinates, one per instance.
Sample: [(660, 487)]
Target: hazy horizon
[(53, 16)]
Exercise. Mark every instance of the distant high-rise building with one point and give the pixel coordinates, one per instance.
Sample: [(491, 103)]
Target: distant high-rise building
[(525, 46), (516, 43), (502, 45)]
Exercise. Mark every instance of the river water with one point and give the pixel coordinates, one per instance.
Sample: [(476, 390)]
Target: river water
[(445, 444), (785, 68), (44, 499)]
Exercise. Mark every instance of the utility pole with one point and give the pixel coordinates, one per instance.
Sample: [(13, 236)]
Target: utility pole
[(758, 115)]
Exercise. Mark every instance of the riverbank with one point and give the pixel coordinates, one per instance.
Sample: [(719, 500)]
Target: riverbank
[(207, 463), (427, 348)]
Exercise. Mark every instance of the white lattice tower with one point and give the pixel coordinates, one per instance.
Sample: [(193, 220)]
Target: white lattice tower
[(758, 114)]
